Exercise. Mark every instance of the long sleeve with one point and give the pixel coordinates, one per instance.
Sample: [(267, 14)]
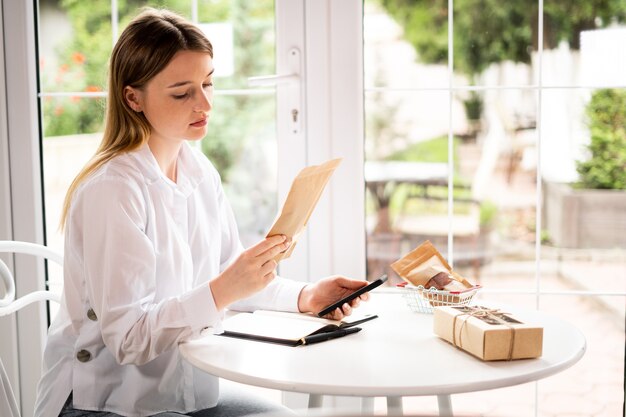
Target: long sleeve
[(137, 321), (139, 253), (281, 294)]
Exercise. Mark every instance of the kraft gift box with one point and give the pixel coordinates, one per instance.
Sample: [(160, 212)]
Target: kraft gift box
[(488, 334)]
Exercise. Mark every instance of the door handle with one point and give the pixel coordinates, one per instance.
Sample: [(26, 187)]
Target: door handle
[(292, 80)]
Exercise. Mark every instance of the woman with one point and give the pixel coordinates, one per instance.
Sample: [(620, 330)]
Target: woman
[(152, 254)]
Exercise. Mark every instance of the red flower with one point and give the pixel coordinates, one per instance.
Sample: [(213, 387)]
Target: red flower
[(78, 58)]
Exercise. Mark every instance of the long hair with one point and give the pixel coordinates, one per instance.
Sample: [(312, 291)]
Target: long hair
[(144, 49)]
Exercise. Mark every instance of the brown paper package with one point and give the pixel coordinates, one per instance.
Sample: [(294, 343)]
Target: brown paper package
[(303, 196), (488, 339), (423, 263)]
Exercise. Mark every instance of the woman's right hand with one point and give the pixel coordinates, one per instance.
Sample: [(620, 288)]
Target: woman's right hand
[(252, 271)]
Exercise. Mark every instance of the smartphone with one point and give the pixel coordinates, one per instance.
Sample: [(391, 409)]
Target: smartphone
[(352, 296)]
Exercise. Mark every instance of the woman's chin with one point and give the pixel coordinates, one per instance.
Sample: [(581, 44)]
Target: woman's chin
[(195, 139), (196, 136)]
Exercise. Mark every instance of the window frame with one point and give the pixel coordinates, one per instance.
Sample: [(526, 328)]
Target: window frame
[(22, 214), (333, 56)]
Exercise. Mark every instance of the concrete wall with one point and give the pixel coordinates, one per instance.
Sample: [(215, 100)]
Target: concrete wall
[(584, 218)]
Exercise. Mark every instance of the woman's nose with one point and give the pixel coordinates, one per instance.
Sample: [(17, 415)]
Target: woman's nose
[(205, 102)]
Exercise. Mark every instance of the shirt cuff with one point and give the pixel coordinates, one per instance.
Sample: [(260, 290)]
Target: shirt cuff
[(287, 294), (200, 309)]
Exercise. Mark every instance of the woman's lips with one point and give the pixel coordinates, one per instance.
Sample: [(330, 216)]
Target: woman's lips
[(200, 123)]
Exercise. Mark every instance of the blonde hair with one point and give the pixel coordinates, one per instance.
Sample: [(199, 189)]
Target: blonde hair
[(144, 49)]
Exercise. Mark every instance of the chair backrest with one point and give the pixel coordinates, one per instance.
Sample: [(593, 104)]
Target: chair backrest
[(9, 305)]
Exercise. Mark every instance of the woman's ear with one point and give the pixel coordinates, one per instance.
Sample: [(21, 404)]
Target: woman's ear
[(132, 97)]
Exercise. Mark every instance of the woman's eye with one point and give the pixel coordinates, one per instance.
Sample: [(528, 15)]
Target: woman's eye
[(180, 96), (207, 85)]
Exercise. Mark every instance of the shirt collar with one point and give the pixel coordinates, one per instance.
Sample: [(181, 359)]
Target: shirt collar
[(189, 175)]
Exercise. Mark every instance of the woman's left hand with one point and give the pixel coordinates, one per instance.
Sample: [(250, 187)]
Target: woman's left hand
[(314, 297)]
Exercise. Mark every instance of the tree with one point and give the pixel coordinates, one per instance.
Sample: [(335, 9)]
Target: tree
[(492, 31), (239, 117)]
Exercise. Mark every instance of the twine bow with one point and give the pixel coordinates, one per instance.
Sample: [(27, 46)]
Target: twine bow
[(481, 313)]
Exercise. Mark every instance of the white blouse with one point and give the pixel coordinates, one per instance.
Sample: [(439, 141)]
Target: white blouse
[(139, 252)]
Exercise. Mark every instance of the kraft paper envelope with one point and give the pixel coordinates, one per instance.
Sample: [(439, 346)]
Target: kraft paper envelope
[(303, 196)]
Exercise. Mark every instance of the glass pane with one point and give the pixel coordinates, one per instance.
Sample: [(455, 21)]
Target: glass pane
[(583, 43), (406, 173), (75, 43), (406, 44), (243, 37), (495, 189), (66, 149), (594, 385), (241, 140), (584, 187), (72, 115), (515, 401), (72, 130), (245, 155), (492, 295), (494, 42), (584, 238)]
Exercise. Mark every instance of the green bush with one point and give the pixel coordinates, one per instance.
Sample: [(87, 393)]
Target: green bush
[(431, 150), (606, 166), (488, 214)]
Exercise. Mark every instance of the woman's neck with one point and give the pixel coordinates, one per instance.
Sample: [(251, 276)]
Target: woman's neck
[(166, 155)]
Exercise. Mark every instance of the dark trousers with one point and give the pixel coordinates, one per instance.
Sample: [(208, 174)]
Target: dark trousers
[(232, 403)]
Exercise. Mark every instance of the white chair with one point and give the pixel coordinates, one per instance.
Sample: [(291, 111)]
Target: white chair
[(9, 305)]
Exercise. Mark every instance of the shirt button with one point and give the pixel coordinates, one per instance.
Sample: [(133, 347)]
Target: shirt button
[(83, 355), (92, 315)]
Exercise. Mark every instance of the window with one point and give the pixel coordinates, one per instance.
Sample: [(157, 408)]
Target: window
[(75, 41), (495, 129)]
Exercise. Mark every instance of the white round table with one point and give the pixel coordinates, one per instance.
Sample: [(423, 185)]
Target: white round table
[(395, 355)]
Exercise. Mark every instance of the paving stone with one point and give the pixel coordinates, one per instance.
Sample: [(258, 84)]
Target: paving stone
[(613, 409), (607, 393), (557, 404), (513, 410)]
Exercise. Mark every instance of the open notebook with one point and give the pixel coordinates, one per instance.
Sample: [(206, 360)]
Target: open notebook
[(291, 329)]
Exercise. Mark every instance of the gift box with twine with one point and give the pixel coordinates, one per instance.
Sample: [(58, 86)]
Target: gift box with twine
[(489, 334)]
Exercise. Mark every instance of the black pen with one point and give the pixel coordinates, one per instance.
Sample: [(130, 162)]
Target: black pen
[(322, 337)]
